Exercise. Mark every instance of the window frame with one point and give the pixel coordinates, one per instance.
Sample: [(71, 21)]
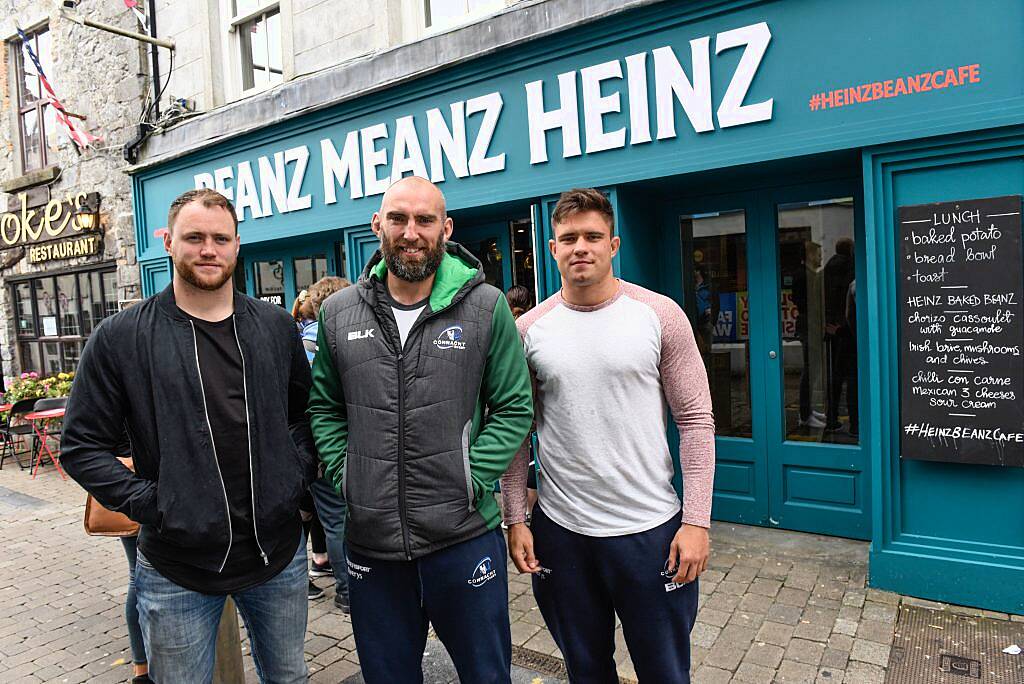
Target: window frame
[(238, 65), (37, 338), (469, 16), (39, 107)]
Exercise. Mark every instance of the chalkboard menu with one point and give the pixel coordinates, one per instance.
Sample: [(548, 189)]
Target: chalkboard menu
[(961, 371)]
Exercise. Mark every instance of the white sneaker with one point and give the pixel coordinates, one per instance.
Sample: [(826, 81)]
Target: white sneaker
[(813, 422), (817, 414)]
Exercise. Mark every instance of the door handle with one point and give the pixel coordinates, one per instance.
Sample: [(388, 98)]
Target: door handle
[(772, 354)]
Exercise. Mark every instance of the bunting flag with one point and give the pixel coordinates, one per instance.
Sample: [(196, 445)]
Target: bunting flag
[(82, 138), (133, 5)]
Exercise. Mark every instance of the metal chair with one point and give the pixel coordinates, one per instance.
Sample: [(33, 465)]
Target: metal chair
[(52, 403), (16, 427), (48, 404)]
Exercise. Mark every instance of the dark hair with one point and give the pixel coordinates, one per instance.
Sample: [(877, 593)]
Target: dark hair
[(844, 246), (209, 198), (519, 300), (579, 200), (321, 290)]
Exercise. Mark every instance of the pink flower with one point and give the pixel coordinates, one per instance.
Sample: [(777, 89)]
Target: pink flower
[(33, 374), (24, 376)]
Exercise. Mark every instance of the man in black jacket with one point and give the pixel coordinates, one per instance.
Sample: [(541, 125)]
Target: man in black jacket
[(211, 386)]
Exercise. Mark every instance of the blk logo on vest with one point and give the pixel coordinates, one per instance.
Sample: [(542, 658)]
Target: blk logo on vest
[(450, 338), (483, 573), (360, 334)]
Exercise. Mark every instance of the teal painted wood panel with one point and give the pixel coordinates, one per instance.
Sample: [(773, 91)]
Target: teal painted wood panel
[(156, 275), (765, 479), (839, 472), (949, 532), (818, 488), (734, 479)]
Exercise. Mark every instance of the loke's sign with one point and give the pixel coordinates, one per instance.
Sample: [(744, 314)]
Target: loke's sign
[(57, 219)]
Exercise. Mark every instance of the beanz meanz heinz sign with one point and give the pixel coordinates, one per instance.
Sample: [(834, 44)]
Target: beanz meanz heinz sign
[(459, 137)]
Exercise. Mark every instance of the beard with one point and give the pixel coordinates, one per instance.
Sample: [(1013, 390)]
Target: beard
[(412, 272), (189, 275)]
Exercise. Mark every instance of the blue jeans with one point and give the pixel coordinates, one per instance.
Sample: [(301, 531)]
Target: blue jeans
[(330, 508), (180, 626), (131, 608)]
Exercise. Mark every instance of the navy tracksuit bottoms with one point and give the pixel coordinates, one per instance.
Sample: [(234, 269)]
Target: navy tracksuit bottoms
[(461, 590), (586, 580)]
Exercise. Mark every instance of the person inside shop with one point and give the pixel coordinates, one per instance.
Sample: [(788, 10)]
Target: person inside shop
[(608, 534), (329, 550), (840, 344), (212, 387), (805, 278), (420, 399)]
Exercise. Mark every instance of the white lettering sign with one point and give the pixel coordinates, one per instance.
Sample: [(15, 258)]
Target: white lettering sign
[(460, 139)]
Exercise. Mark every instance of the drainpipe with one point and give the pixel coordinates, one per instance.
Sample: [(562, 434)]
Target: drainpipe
[(151, 13)]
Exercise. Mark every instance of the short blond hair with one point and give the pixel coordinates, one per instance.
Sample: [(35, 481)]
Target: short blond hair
[(319, 291)]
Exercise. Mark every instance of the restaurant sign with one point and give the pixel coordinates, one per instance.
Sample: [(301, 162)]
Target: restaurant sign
[(85, 245), (63, 228)]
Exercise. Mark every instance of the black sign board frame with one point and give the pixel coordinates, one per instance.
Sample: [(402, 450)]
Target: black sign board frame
[(961, 331)]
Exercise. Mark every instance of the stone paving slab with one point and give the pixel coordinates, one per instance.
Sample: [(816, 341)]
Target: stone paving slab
[(774, 606)]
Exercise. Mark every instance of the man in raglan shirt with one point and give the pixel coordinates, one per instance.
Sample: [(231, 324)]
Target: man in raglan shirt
[(607, 536), (420, 398)]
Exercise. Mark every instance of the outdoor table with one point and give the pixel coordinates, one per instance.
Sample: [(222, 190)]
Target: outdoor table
[(40, 418), (5, 407)]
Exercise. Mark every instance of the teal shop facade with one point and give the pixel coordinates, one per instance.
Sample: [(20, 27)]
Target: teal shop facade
[(746, 147)]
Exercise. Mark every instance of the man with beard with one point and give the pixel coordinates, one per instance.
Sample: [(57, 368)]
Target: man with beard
[(420, 398), (211, 386)]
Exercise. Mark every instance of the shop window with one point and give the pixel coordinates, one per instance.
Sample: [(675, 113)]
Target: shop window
[(488, 251), (256, 29), (819, 326), (37, 122), (715, 250), (26, 322), (443, 14), (55, 315), (522, 256), (308, 270), (269, 279)]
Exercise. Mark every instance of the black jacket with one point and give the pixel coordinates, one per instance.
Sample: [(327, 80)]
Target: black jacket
[(139, 371)]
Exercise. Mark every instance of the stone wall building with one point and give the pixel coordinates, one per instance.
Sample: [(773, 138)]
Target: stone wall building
[(57, 283), (228, 53)]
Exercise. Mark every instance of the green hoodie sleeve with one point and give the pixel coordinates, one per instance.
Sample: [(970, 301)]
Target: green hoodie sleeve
[(507, 396), (328, 416)]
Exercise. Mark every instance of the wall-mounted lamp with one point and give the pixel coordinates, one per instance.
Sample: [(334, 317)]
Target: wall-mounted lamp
[(87, 216)]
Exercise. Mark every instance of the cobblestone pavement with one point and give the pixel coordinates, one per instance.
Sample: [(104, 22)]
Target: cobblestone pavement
[(775, 606)]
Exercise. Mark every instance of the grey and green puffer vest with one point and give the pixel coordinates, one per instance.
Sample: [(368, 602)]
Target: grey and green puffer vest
[(414, 437)]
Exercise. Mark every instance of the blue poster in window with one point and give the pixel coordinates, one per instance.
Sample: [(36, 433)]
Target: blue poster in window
[(725, 324)]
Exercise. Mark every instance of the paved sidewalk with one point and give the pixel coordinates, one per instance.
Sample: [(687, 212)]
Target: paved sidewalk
[(775, 606)]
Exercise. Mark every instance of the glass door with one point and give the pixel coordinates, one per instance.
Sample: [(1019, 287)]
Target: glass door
[(768, 280), (719, 269), (818, 472)]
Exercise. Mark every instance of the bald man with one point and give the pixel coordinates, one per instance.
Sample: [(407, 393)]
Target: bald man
[(420, 398)]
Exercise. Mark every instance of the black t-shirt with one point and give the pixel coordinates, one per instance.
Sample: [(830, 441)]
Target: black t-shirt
[(220, 365)]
